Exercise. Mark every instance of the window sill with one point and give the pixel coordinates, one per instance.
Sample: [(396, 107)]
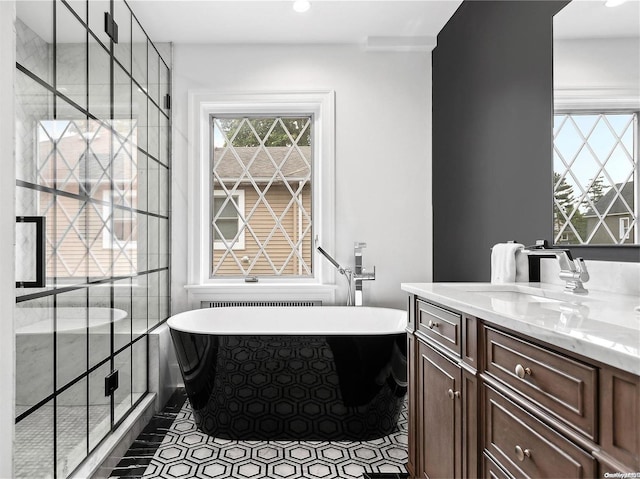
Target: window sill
[(262, 292)]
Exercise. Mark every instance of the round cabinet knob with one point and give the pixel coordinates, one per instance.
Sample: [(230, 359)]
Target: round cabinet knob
[(521, 371), (522, 454), (432, 324), (453, 394)]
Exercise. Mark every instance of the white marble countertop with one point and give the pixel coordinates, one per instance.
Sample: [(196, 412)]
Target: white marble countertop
[(600, 326)]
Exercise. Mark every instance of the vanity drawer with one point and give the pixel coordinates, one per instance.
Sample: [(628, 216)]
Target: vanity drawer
[(440, 325), (562, 386), (526, 447), (492, 470)]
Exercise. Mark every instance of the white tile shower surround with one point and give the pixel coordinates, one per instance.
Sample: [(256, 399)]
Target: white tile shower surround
[(186, 452)]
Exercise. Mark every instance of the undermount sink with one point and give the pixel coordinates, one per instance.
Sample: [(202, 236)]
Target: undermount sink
[(518, 296), (511, 293)]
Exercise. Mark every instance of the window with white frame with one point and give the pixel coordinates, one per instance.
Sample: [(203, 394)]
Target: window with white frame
[(261, 193), (624, 228)]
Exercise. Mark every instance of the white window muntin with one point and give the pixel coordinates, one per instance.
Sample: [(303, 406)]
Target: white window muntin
[(598, 101), (569, 109), (297, 237), (203, 105)]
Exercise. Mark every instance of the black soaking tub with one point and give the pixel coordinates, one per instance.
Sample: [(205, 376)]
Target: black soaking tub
[(293, 373)]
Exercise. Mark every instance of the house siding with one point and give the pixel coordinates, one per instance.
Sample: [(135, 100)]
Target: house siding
[(278, 248)]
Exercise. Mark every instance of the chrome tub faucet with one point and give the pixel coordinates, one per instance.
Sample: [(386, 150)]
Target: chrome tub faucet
[(360, 273), (357, 276)]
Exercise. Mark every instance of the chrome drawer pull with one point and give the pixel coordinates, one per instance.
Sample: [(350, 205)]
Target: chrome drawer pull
[(521, 371), (432, 324), (522, 454), (453, 394)]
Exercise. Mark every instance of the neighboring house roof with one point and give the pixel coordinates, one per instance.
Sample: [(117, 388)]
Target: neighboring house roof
[(618, 207), (293, 165)]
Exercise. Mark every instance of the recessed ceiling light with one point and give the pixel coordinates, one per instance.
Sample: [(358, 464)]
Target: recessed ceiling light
[(614, 3), (301, 6)]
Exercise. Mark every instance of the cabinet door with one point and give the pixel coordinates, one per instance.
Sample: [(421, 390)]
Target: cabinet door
[(620, 417), (439, 428)]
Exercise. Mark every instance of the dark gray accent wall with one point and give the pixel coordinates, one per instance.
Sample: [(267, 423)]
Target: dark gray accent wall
[(492, 128)]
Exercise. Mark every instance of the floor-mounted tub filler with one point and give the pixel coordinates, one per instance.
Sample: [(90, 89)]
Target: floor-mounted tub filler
[(293, 373)]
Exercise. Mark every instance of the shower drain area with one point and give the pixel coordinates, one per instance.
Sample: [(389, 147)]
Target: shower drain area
[(69, 431), (34, 439), (186, 452)]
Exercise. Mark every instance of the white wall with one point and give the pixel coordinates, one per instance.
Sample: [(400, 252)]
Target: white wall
[(7, 219), (597, 68), (383, 149)]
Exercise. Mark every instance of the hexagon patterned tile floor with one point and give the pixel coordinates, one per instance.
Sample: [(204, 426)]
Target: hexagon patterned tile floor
[(185, 452)]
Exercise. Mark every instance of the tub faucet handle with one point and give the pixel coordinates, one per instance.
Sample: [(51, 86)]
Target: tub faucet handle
[(367, 275)]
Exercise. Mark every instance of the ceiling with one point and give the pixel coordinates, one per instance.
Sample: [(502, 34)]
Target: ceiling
[(592, 19), (380, 24), (274, 21)]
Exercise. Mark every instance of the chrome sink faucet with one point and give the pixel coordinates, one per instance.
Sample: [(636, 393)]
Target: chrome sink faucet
[(360, 273), (572, 271)]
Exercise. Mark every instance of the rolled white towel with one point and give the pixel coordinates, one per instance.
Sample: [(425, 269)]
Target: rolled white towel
[(503, 262)]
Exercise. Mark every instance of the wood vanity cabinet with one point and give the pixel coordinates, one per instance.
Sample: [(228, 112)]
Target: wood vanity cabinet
[(486, 401), (442, 395)]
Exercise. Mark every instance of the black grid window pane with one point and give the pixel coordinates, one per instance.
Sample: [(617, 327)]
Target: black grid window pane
[(122, 16), (34, 40), (82, 133), (99, 71), (71, 56)]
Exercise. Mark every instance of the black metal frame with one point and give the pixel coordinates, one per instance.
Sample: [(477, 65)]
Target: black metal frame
[(622, 253), (41, 252), (162, 161)]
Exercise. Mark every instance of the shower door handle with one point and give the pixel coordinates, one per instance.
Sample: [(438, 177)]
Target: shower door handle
[(37, 277)]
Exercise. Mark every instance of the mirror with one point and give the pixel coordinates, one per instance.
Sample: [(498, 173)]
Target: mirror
[(596, 65)]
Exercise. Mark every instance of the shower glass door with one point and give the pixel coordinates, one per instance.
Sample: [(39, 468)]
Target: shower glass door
[(92, 159)]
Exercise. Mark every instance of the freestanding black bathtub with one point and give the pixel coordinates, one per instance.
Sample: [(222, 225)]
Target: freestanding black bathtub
[(293, 373)]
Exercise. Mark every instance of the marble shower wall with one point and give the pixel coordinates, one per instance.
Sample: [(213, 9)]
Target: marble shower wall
[(37, 55)]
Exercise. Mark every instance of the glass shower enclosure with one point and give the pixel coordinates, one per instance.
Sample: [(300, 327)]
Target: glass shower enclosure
[(92, 133)]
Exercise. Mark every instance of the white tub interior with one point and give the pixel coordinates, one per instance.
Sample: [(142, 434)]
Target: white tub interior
[(313, 320)]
